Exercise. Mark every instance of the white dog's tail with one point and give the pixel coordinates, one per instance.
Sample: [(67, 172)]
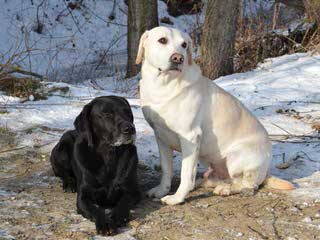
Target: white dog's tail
[(272, 182)]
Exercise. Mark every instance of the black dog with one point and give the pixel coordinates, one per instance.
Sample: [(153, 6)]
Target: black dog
[(99, 161)]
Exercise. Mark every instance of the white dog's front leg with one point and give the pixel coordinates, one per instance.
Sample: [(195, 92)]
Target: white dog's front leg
[(190, 146), (163, 188)]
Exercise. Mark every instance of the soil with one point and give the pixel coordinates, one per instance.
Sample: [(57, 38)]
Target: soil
[(33, 206)]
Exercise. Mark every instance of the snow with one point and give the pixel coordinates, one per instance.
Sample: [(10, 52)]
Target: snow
[(287, 82), (68, 40)]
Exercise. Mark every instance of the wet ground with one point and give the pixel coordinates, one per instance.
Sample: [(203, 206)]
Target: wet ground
[(33, 206)]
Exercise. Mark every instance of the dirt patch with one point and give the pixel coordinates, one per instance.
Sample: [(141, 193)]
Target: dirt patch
[(203, 216), (33, 206)]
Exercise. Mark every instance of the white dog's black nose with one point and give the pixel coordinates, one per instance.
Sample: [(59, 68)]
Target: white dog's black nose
[(177, 58)]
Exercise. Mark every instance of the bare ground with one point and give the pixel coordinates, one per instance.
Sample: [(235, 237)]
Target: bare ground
[(33, 206)]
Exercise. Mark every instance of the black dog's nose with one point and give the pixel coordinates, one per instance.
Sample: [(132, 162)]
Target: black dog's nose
[(128, 128), (177, 58)]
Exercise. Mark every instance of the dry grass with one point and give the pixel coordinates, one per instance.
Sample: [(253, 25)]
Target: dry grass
[(21, 87), (17, 82), (256, 41)]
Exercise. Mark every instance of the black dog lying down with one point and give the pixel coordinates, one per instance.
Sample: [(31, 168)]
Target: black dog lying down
[(99, 161)]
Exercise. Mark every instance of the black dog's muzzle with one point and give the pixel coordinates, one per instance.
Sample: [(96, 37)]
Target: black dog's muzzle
[(127, 128)]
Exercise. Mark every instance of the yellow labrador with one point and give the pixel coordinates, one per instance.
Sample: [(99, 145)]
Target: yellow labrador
[(191, 114)]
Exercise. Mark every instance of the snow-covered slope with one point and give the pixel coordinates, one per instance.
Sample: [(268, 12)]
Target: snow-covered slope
[(284, 93)]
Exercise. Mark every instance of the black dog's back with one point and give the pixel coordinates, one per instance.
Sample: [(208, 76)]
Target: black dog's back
[(61, 158)]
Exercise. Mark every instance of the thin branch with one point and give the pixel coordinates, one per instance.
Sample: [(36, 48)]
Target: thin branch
[(73, 18), (108, 49), (94, 14), (281, 128), (13, 149), (257, 232), (21, 71)]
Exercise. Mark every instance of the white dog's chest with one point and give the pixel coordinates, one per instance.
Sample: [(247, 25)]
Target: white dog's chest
[(164, 129)]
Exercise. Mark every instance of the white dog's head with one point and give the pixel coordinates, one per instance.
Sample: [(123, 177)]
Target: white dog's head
[(167, 49)]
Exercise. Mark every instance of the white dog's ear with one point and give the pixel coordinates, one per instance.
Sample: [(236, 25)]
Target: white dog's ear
[(140, 54), (189, 49)]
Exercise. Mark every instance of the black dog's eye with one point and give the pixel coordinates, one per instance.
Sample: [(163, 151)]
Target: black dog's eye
[(108, 115), (184, 44), (163, 40)]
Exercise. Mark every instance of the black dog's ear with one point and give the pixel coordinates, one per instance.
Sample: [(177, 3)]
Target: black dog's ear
[(82, 123), (128, 104)]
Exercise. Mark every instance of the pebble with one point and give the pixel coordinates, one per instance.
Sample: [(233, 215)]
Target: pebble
[(307, 219), (31, 98), (317, 215), (201, 205), (307, 116), (239, 234)]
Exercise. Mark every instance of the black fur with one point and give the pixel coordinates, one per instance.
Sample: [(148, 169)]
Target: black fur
[(99, 162)]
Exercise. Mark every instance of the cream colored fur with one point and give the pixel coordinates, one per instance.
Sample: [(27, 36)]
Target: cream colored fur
[(191, 114)]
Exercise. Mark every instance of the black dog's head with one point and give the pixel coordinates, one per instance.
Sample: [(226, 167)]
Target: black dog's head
[(106, 121)]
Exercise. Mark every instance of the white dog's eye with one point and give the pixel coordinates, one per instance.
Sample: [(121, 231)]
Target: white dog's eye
[(184, 45), (163, 40)]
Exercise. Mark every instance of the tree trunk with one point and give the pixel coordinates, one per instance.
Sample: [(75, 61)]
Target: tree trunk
[(218, 37), (132, 38), (148, 10), (142, 15)]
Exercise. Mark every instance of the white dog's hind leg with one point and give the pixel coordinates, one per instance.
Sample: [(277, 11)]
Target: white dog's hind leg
[(247, 169), (190, 153), (163, 188), (215, 175), (249, 181)]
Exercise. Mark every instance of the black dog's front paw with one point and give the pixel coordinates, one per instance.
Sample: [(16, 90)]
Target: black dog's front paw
[(120, 217), (69, 185), (105, 225)]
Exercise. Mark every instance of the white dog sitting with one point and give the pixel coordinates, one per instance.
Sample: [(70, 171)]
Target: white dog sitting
[(191, 114)]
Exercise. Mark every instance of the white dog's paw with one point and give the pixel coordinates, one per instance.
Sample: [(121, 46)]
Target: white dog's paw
[(223, 190), (172, 199), (158, 191)]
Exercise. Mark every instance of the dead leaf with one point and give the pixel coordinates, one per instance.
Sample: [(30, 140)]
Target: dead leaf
[(284, 165), (316, 126)]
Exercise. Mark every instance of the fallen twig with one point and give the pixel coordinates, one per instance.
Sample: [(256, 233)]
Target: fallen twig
[(257, 232), (285, 136), (281, 128), (23, 147), (13, 149), (14, 69)]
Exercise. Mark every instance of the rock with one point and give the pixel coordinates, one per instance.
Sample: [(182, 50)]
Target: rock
[(307, 220), (239, 234), (31, 98)]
